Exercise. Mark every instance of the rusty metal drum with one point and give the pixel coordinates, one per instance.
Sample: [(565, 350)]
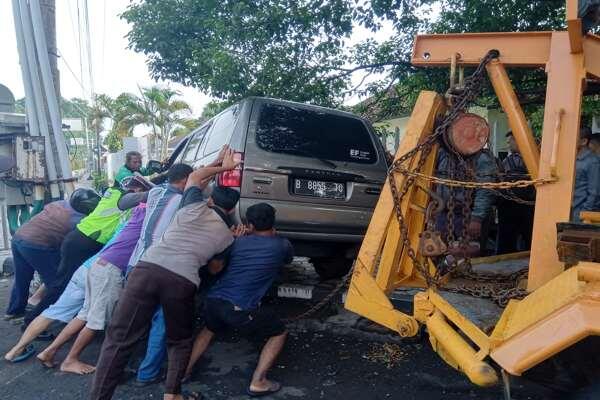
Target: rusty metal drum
[(468, 134)]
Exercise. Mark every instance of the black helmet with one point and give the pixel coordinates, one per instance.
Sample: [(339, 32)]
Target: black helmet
[(84, 200)]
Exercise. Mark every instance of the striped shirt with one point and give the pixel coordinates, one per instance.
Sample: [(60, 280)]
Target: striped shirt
[(163, 202)]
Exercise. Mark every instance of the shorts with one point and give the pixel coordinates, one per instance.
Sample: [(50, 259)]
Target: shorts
[(71, 300), (221, 315), (102, 289)]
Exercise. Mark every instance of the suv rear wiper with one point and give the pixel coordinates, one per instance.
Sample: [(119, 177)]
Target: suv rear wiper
[(325, 161)]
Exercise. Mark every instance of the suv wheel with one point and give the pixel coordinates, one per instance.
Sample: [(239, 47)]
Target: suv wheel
[(332, 267)]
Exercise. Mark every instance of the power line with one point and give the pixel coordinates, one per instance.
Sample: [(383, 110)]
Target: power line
[(79, 41), (71, 18), (88, 46), (64, 60)]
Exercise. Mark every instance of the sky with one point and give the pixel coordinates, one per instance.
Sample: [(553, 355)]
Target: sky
[(115, 68)]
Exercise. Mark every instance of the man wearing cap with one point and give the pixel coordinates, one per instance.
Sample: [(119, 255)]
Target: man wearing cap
[(90, 235), (36, 244), (167, 275)]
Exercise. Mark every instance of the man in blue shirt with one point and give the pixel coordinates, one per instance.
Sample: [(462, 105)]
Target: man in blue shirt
[(586, 191), (234, 301)]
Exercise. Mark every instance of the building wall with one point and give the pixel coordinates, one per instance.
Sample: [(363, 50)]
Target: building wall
[(395, 129)]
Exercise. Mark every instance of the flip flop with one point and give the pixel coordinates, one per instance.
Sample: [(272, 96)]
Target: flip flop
[(153, 381), (253, 393), (11, 317), (191, 396), (27, 352)]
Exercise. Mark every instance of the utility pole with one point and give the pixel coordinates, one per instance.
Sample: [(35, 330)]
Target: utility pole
[(48, 8), (88, 46)]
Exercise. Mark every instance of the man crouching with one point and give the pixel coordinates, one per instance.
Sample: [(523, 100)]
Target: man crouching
[(234, 301)]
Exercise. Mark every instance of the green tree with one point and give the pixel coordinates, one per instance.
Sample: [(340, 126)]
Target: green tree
[(236, 48), (299, 49), (160, 109)]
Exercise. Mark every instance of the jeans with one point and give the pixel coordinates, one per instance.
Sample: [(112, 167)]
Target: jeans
[(28, 258), (74, 250), (156, 350)]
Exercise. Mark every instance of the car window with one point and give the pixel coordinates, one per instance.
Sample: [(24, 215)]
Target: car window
[(315, 134), (189, 156), (222, 130)]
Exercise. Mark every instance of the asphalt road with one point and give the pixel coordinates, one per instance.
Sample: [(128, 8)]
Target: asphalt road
[(321, 360)]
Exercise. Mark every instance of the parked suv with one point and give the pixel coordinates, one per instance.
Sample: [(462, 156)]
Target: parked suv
[(321, 169)]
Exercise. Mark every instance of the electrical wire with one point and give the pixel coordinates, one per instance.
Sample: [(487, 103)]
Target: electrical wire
[(88, 45), (79, 40), (70, 132), (64, 60)]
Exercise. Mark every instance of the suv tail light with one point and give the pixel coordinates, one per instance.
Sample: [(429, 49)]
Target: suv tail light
[(232, 178)]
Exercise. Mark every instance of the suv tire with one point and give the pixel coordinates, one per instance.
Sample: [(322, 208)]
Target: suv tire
[(332, 267)]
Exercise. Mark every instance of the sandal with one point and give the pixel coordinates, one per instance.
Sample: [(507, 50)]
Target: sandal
[(261, 393), (45, 336), (10, 317), (191, 396), (27, 352)]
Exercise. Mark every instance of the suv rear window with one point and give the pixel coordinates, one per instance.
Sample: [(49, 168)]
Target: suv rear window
[(308, 133)]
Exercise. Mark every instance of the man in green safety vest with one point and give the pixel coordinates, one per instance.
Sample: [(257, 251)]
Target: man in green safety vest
[(91, 234)]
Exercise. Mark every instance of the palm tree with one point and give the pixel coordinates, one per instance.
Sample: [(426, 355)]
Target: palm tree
[(158, 108)]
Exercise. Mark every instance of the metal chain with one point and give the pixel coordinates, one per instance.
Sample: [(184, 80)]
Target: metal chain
[(473, 184), (500, 287), (500, 294), (472, 86), (312, 310)]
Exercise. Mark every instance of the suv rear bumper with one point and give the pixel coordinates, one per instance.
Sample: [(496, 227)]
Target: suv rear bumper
[(322, 237), (316, 222)]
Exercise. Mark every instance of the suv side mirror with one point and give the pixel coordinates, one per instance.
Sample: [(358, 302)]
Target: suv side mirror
[(155, 166)]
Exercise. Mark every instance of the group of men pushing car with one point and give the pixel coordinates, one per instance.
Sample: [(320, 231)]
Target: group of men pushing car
[(129, 262)]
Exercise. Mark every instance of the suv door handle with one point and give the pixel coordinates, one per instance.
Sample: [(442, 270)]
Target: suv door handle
[(262, 179)]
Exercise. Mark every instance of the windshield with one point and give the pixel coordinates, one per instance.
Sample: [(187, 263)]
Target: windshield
[(308, 133)]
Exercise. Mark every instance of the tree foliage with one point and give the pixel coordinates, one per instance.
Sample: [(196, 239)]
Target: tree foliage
[(236, 48), (300, 49)]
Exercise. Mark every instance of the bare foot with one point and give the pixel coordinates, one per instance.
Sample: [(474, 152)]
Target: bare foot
[(46, 357), (264, 386), (77, 367), (14, 352)]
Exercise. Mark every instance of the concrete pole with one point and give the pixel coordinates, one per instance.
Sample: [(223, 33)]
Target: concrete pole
[(48, 15), (34, 129), (50, 91), (34, 78)]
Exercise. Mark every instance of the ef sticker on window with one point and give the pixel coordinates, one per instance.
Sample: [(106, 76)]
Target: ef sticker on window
[(359, 154)]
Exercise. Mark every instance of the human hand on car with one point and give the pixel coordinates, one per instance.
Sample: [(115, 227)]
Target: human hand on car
[(239, 230), (229, 162), (222, 153)]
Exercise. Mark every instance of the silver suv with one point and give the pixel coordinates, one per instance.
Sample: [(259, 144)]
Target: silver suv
[(321, 169)]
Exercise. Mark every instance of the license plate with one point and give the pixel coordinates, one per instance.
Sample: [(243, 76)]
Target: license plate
[(329, 190)]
